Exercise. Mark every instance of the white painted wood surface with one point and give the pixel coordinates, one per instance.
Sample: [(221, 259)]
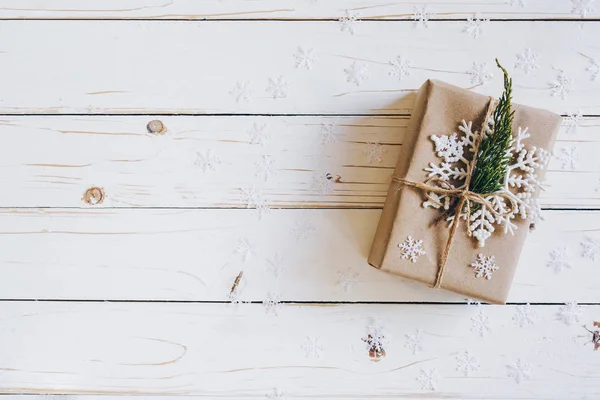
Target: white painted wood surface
[(216, 350), (192, 255), (288, 9), (177, 67), (138, 169), (130, 297)]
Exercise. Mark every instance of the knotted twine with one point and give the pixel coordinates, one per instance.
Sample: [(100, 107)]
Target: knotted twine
[(463, 196)]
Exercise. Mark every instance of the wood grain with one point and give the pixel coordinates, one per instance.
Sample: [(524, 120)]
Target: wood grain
[(171, 67), (138, 169), (192, 255), (283, 9), (197, 349)]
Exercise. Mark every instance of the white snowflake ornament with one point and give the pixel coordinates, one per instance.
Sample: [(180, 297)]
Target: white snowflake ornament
[(480, 323), (524, 316), (413, 342), (258, 134), (570, 313), (560, 259), (411, 249), (527, 61), (305, 58), (207, 161), (348, 22), (562, 87), (275, 265), (572, 121), (590, 248), (265, 167), (329, 133), (400, 68), (272, 303), (484, 266), (242, 92), (313, 348), (480, 74), (582, 7), (245, 249), (255, 200), (475, 25), (421, 16), (466, 363), (428, 379), (347, 279), (277, 88), (302, 229), (520, 371), (568, 157), (357, 73)]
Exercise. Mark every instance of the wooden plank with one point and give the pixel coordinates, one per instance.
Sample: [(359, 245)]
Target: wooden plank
[(216, 351), (135, 168), (287, 9), (297, 255), (175, 67)]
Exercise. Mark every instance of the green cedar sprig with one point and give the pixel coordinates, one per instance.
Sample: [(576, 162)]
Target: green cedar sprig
[(493, 159)]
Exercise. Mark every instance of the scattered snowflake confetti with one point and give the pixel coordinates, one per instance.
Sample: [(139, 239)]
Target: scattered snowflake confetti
[(347, 279), (400, 68), (466, 363), (241, 92), (313, 348), (593, 69), (272, 303), (582, 7), (305, 58), (276, 394), (421, 16), (374, 152), (329, 133), (357, 73), (411, 249), (258, 134), (265, 167), (524, 315), (277, 87), (428, 379), (484, 266), (245, 249), (479, 74), (321, 184), (562, 86), (348, 22), (560, 259), (254, 199), (527, 61), (475, 25), (590, 248), (517, 3), (568, 157), (413, 342), (303, 229), (520, 372), (570, 313), (375, 340), (207, 161), (275, 265), (572, 121), (480, 324)]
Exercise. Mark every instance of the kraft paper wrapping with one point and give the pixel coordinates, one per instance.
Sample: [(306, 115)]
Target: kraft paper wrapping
[(439, 109)]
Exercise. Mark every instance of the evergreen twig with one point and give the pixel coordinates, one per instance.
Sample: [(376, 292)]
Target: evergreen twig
[(493, 158)]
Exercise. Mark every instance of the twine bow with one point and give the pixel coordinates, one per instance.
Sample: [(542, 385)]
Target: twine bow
[(463, 196)]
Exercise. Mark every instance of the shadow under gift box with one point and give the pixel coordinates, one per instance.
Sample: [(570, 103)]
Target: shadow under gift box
[(439, 110)]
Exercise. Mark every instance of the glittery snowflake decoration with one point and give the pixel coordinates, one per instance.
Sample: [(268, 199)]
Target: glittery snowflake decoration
[(570, 313), (305, 58), (374, 152), (357, 73), (313, 348), (348, 22), (275, 265), (527, 61), (484, 266), (258, 134), (520, 371), (400, 68), (524, 316), (413, 342), (568, 157), (428, 379), (560, 259), (254, 199), (207, 161), (593, 69), (277, 87), (466, 363), (520, 185), (302, 229), (590, 248), (411, 249), (329, 133), (480, 323), (562, 87), (475, 25), (582, 7), (421, 16), (272, 304), (241, 92), (572, 121), (245, 249), (265, 167), (347, 279), (479, 74)]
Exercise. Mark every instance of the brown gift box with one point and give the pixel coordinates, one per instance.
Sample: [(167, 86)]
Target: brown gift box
[(439, 109)]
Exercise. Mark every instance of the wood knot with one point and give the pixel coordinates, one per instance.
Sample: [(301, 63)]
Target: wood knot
[(93, 196), (156, 127)]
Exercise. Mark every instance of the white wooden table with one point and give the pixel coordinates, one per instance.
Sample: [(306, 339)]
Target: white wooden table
[(119, 246)]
